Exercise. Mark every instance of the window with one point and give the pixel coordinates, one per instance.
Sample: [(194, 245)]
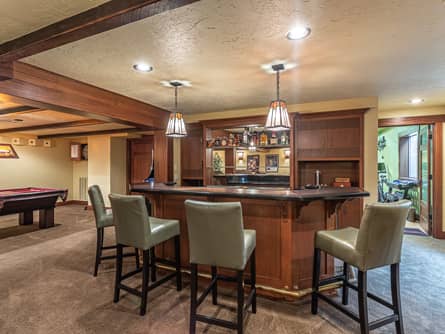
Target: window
[(409, 156)]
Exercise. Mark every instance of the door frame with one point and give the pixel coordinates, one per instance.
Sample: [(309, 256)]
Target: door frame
[(436, 120)]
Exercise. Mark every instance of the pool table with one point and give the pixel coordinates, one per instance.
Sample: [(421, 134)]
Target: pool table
[(25, 200)]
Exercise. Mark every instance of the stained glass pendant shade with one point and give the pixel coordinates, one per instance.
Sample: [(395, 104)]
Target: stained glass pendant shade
[(278, 118), (176, 126)]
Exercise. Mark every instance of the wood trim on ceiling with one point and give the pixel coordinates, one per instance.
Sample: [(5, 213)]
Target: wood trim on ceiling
[(412, 120), (71, 124), (89, 133), (110, 15), (48, 90), (18, 109)]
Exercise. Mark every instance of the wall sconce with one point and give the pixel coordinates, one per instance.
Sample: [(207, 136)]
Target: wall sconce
[(240, 155), (287, 154), (7, 152)]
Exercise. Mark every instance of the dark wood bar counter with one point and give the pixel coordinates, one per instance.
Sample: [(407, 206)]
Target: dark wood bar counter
[(285, 221)]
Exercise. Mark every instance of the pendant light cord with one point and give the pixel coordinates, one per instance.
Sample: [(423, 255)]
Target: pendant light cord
[(176, 99), (278, 85)]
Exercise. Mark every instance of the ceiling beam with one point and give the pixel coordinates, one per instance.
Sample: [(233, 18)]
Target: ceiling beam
[(5, 71), (86, 122), (17, 109), (89, 133), (48, 90), (105, 17)]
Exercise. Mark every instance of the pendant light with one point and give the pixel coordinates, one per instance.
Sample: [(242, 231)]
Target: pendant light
[(176, 125), (278, 118)]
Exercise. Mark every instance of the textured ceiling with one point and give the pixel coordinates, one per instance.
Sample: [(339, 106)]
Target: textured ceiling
[(34, 118), (19, 17), (391, 49)]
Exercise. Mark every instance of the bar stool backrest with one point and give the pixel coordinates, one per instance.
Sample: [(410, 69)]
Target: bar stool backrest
[(379, 241), (98, 204), (216, 234), (131, 220)]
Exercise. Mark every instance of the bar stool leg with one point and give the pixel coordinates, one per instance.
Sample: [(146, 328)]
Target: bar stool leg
[(99, 245), (153, 264), (315, 281), (345, 294), (136, 254), (145, 275), (240, 306), (363, 301), (178, 263), (215, 286), (118, 278), (253, 279), (395, 292), (194, 296)]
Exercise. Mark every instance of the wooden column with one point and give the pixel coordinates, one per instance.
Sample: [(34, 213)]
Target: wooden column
[(163, 157)]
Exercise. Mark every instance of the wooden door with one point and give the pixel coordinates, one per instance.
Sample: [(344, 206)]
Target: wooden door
[(425, 177), (141, 156)]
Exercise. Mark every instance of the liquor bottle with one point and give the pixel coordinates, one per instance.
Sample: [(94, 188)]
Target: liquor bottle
[(263, 139), (274, 139), (246, 136), (283, 138)]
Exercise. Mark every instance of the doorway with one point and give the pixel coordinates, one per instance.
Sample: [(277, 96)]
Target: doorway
[(405, 167)]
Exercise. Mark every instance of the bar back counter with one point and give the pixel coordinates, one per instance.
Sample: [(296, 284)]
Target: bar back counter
[(285, 222)]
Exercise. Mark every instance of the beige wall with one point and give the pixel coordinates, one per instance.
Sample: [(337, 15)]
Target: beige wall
[(371, 128), (99, 163), (38, 166)]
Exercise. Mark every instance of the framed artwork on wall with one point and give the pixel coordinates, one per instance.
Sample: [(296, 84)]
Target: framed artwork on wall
[(272, 161), (253, 163)]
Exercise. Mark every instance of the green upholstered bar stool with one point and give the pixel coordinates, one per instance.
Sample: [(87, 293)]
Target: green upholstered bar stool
[(103, 220), (135, 228), (377, 243), (217, 238)]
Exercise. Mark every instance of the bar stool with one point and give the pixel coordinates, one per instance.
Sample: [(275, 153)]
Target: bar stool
[(377, 243), (135, 228), (217, 238), (103, 220)]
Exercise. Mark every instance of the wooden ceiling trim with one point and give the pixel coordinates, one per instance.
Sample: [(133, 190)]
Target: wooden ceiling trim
[(44, 89), (71, 124), (105, 17), (18, 109), (89, 133)]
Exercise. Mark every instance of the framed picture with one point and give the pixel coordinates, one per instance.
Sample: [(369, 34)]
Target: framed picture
[(76, 151), (219, 162), (7, 152), (253, 163), (272, 163)]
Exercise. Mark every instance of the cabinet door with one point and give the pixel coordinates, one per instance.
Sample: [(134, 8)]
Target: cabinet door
[(141, 156)]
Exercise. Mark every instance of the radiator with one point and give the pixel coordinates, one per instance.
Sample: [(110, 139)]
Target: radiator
[(83, 188)]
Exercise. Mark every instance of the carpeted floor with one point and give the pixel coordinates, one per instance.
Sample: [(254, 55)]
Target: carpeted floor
[(46, 286)]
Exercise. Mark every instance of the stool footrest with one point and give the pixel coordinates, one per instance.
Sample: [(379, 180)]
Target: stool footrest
[(215, 321), (373, 296), (383, 321), (331, 280), (249, 300), (131, 273)]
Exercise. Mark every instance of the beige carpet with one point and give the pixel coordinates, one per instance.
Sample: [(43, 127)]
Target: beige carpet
[(46, 286)]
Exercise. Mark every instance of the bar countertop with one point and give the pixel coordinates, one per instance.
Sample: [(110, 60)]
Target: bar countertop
[(328, 193)]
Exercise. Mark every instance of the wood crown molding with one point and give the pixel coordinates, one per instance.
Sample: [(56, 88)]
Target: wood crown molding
[(411, 120), (107, 16)]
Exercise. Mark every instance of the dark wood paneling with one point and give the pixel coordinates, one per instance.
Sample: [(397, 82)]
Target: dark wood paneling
[(88, 133), (140, 155), (107, 16), (191, 153), (329, 170), (438, 230), (163, 157)]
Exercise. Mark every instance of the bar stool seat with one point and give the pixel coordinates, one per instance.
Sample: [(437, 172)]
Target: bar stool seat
[(377, 243), (340, 244), (135, 228), (217, 238)]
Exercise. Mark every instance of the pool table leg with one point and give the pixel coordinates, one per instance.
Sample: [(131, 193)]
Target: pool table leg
[(25, 218), (46, 218)]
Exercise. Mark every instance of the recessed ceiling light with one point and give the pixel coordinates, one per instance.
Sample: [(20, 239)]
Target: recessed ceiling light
[(299, 32), (142, 67), (416, 100)]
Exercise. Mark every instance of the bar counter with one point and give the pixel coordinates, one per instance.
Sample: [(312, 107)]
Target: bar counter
[(285, 221)]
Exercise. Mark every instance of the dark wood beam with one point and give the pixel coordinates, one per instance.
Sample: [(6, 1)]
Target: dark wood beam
[(105, 17), (90, 133), (61, 125), (17, 109), (5, 71), (412, 120), (47, 90)]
